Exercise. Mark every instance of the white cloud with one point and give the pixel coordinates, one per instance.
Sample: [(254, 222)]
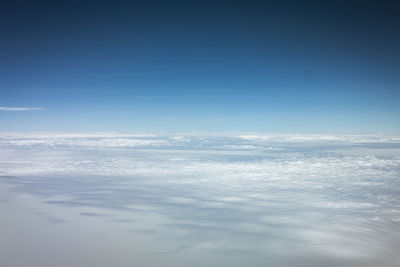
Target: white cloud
[(320, 138), (189, 160), (20, 108), (262, 193)]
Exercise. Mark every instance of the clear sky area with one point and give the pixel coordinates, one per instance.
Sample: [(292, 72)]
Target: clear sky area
[(279, 66)]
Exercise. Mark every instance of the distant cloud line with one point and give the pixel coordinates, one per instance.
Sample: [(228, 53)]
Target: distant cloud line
[(19, 108)]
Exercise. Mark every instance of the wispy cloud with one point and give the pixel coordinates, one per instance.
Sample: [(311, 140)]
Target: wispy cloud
[(19, 108)]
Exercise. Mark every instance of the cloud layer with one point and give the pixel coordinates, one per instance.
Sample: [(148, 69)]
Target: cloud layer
[(286, 199)]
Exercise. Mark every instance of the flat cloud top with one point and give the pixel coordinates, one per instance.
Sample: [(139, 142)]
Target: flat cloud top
[(231, 156), (120, 139), (335, 194)]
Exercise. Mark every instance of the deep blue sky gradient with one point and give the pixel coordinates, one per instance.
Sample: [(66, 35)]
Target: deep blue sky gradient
[(311, 66)]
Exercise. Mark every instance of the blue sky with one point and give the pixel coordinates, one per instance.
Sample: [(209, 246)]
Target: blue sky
[(173, 66)]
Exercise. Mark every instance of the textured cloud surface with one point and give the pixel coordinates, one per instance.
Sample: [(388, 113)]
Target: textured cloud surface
[(200, 199)]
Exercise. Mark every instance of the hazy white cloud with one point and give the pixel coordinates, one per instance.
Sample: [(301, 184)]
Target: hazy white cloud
[(20, 108), (320, 138), (189, 160), (92, 143), (269, 194)]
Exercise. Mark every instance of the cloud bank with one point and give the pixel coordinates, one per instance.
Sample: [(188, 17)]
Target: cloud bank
[(293, 200)]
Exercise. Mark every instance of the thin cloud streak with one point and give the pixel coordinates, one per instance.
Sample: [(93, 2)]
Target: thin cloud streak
[(19, 108)]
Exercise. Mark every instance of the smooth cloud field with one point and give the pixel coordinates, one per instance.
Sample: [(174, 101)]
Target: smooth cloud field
[(200, 199)]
